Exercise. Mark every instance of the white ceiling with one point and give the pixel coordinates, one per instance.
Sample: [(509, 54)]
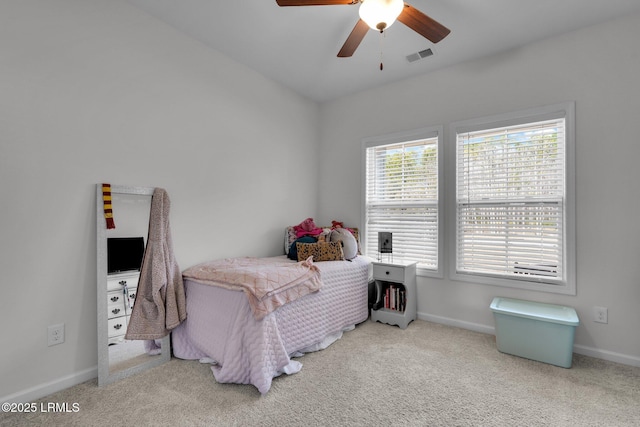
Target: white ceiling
[(297, 46)]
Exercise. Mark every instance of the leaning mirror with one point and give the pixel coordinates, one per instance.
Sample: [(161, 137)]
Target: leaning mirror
[(119, 257)]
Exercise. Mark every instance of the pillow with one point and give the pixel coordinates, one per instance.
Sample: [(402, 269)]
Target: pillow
[(292, 253), (331, 251), (289, 238), (349, 243), (354, 231), (337, 225)]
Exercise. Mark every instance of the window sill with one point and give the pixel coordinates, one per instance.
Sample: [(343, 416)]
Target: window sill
[(563, 288)]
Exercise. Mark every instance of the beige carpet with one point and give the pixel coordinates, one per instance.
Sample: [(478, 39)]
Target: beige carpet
[(377, 375)]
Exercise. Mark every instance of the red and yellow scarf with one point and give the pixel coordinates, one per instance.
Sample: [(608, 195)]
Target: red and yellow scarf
[(108, 209)]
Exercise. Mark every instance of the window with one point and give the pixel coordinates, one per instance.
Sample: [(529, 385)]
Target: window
[(401, 196), (514, 200)]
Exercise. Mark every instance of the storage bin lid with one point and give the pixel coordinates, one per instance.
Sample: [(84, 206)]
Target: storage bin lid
[(535, 310)]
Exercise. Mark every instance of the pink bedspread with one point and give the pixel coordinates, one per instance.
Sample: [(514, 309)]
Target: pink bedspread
[(268, 282), (220, 326)]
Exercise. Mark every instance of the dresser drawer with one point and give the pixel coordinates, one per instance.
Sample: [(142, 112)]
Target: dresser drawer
[(117, 326), (388, 272), (116, 283), (115, 304), (131, 298), (116, 310), (132, 295), (115, 298)]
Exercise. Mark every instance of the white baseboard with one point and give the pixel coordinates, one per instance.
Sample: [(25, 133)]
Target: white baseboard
[(458, 323), (610, 356), (42, 390)]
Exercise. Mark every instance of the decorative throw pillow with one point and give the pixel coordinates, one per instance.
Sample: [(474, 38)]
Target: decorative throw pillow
[(349, 243), (289, 238), (293, 250), (331, 251)]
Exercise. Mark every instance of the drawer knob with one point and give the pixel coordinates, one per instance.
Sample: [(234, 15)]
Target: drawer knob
[(118, 326), (386, 272), (115, 311), (123, 282), (114, 299)]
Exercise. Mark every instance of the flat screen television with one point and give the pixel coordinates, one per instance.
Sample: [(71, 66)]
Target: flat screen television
[(124, 254)]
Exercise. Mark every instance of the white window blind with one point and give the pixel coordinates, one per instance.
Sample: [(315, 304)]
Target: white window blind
[(511, 185), (402, 198)]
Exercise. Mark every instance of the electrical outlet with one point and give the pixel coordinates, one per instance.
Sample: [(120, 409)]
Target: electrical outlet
[(600, 314), (55, 334)]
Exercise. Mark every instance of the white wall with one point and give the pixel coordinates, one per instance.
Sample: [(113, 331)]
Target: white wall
[(96, 91), (597, 67)]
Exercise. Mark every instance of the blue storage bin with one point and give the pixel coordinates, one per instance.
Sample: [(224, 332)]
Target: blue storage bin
[(535, 330)]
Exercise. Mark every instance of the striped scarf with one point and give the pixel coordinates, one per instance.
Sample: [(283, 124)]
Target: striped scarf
[(108, 209)]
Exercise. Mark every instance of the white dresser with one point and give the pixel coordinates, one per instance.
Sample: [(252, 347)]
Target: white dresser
[(121, 294)]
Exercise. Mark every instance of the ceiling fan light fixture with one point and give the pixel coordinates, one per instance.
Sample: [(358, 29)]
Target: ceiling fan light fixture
[(380, 14)]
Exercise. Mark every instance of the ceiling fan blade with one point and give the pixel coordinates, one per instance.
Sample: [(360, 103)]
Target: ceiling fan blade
[(313, 2), (422, 24), (354, 39)]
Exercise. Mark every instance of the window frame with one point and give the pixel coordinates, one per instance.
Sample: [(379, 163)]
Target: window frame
[(406, 137), (567, 284)]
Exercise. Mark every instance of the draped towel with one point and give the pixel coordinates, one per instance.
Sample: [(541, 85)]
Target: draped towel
[(160, 302)]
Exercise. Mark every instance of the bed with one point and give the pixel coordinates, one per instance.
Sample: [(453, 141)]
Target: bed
[(243, 347)]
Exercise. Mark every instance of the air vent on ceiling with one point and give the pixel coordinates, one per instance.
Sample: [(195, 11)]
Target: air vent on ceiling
[(419, 55)]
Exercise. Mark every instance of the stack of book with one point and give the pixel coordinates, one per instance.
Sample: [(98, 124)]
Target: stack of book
[(395, 298)]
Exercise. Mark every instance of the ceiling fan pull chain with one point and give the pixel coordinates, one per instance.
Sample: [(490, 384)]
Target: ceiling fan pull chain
[(381, 48)]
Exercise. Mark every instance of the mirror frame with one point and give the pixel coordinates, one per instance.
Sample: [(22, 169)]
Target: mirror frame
[(104, 376)]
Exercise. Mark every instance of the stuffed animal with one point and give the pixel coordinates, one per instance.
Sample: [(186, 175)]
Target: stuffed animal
[(349, 243), (338, 224)]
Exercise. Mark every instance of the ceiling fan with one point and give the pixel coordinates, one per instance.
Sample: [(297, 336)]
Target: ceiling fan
[(379, 15)]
